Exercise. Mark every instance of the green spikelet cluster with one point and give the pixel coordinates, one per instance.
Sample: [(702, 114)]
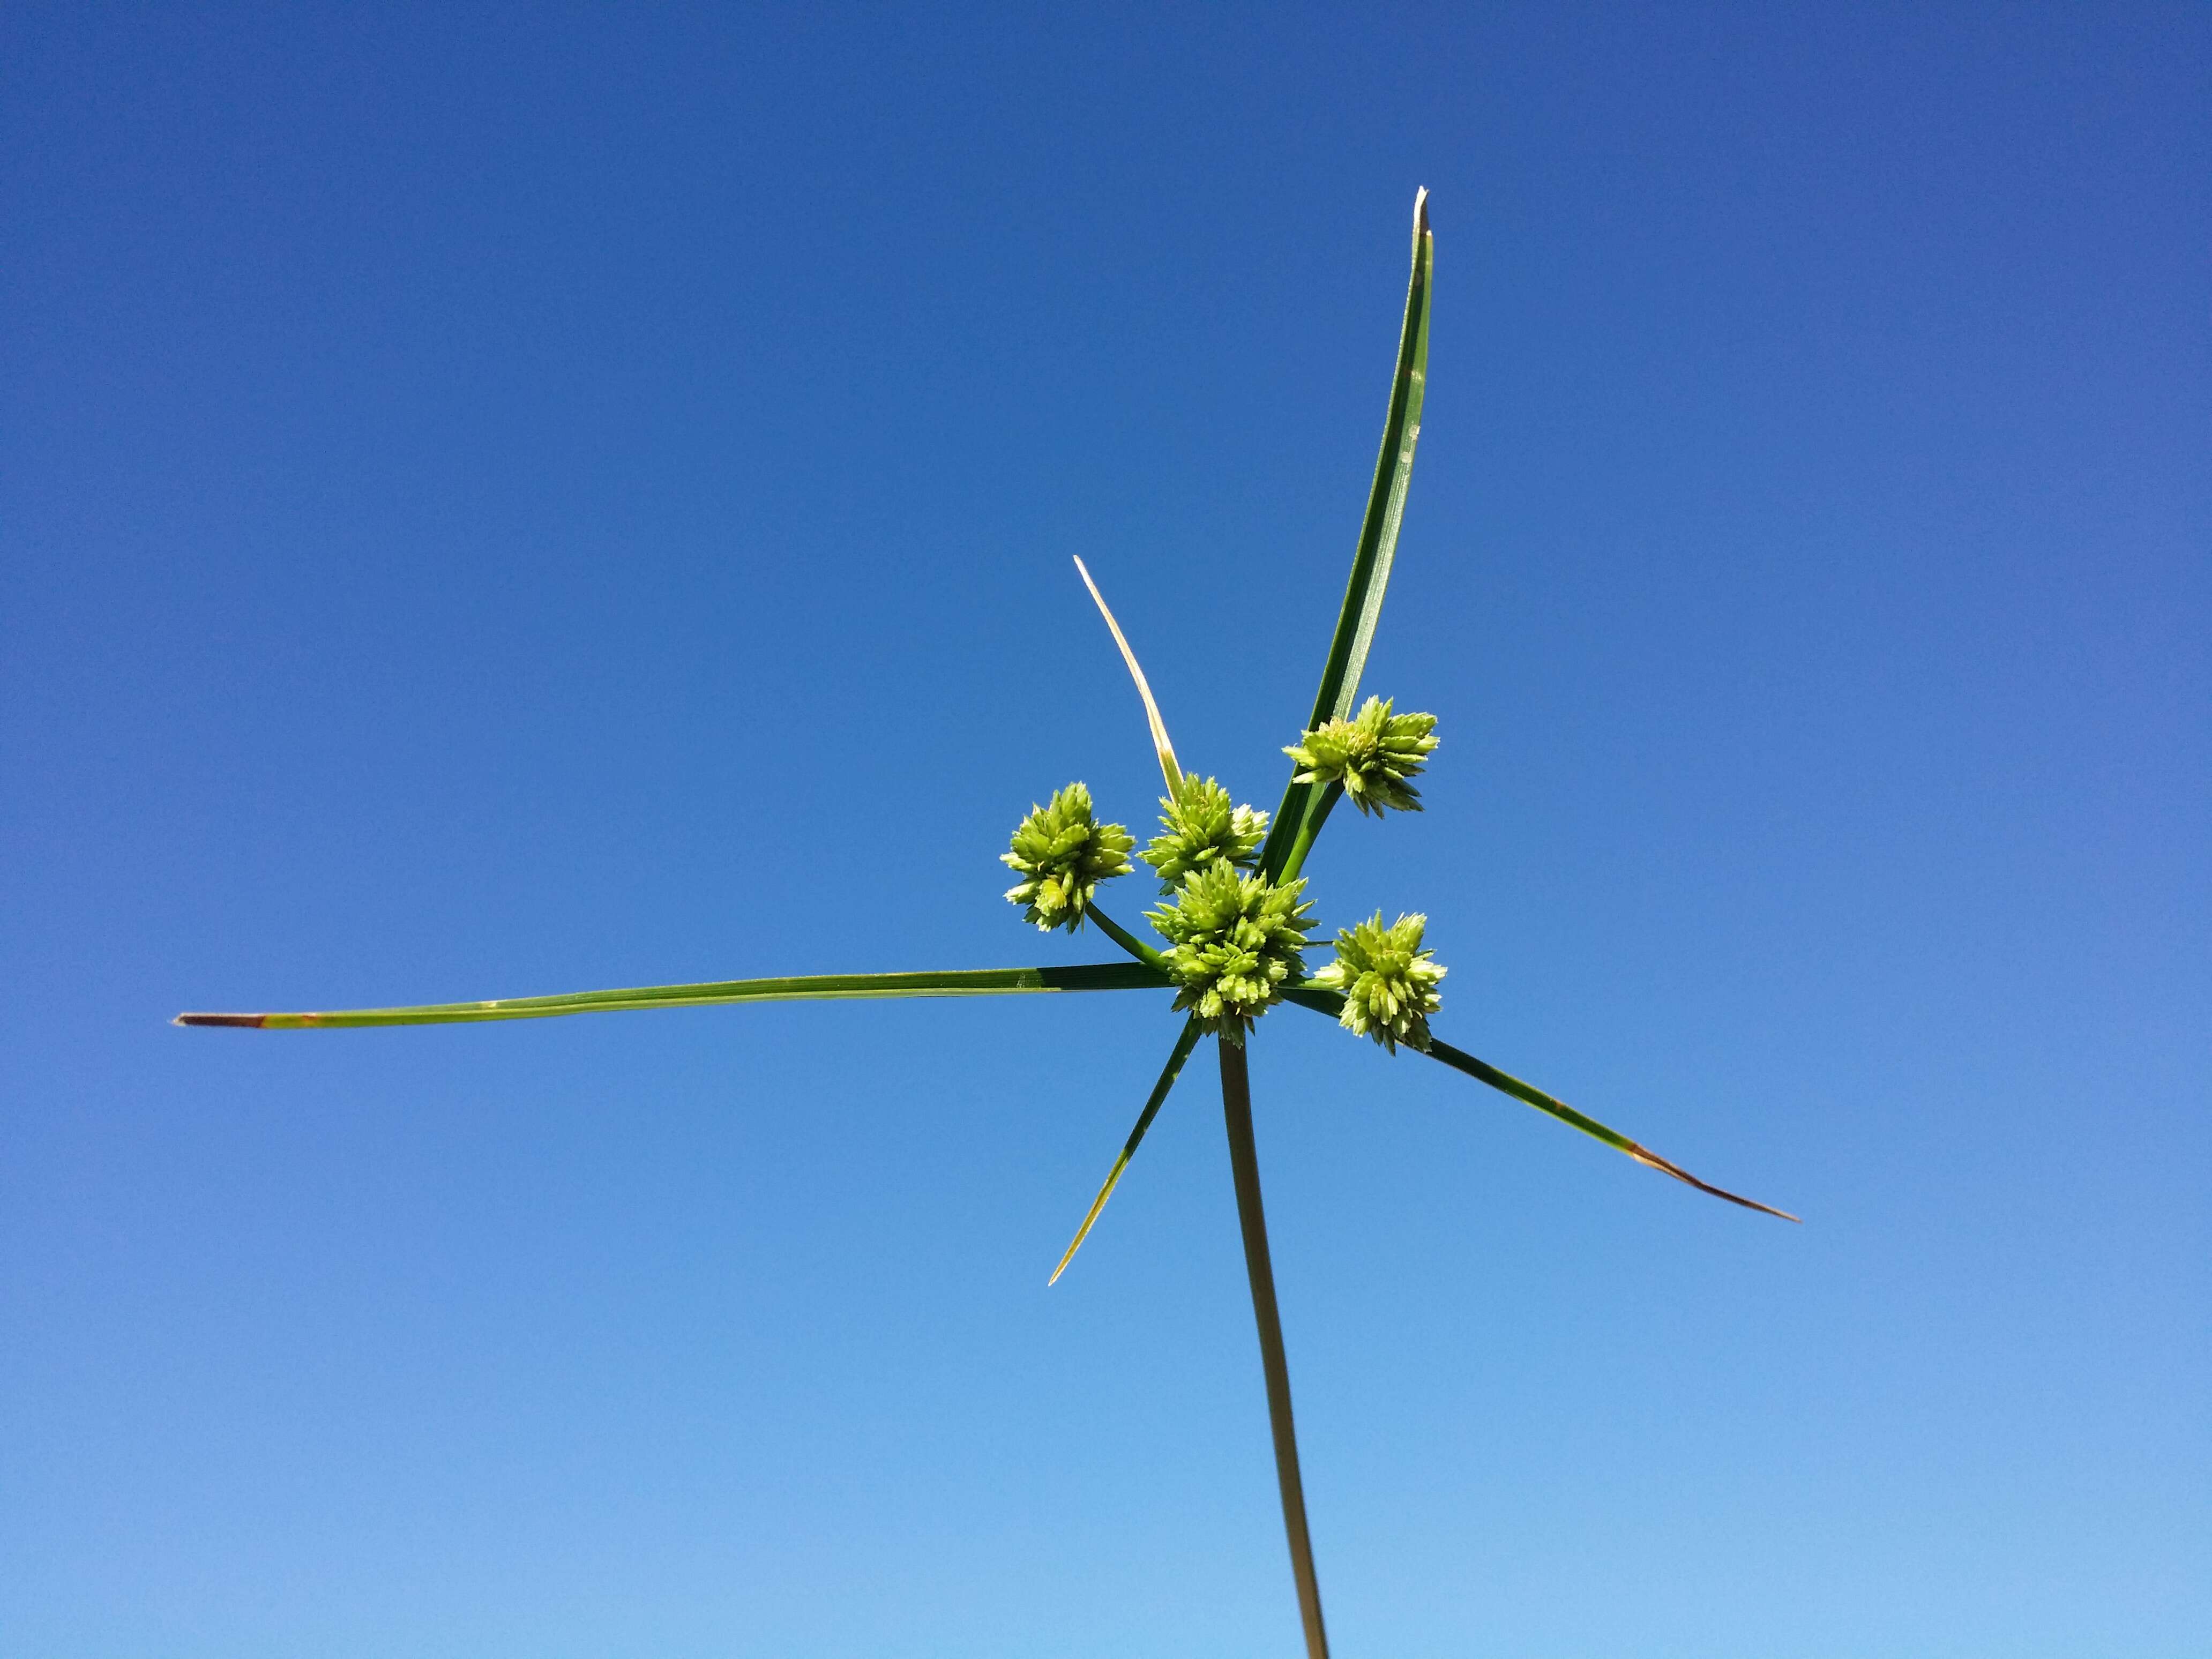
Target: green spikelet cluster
[(1389, 981), (1373, 755), (1202, 826), (1062, 855), (1237, 941)]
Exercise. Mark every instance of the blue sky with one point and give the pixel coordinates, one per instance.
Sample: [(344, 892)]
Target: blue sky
[(497, 501)]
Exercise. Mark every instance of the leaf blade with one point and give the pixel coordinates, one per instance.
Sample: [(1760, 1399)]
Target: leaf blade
[(1332, 1003), (1378, 532), (952, 982), (1386, 502), (1170, 769), (1184, 1044)]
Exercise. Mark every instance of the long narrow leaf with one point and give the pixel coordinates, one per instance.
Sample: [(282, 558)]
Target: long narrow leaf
[(1332, 1004), (1386, 501), (956, 983), (1184, 1044), (1170, 769), (1378, 531)]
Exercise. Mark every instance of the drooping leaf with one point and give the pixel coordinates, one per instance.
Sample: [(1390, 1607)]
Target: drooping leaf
[(954, 982), (1191, 1032), (1378, 535), (1332, 1004)]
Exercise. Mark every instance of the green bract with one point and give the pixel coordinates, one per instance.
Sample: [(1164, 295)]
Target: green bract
[(1389, 981), (1201, 827), (1237, 941), (1372, 755), (1062, 856)]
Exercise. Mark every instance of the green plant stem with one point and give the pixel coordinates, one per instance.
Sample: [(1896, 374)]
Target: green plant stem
[(1127, 941), (1316, 815), (1251, 1217)]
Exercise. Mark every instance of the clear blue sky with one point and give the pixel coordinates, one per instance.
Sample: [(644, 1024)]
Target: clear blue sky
[(507, 501)]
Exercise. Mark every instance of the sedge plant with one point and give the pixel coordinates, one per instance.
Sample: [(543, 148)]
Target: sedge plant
[(1233, 924)]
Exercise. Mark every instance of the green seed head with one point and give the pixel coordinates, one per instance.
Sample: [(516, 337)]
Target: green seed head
[(1236, 941), (1372, 755), (1062, 856), (1389, 981), (1202, 826)]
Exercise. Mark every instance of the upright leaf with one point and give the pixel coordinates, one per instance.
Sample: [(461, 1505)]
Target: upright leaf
[(1378, 531), (1170, 769)]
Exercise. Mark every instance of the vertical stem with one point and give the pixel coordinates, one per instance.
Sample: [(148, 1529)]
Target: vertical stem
[(1244, 1163)]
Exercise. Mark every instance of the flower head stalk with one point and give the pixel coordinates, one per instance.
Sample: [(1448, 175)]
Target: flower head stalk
[(1062, 854), (1374, 754), (1389, 981)]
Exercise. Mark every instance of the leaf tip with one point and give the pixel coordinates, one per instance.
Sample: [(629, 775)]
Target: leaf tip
[(1082, 1233), (250, 1022), (1170, 767), (1666, 1166)]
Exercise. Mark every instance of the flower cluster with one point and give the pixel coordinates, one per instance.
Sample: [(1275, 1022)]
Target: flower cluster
[(1236, 935), (1389, 981), (1202, 826), (1236, 941), (1062, 856), (1372, 755)]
